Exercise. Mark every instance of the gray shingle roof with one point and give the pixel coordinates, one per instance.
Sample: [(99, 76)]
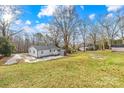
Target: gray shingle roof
[(45, 47)]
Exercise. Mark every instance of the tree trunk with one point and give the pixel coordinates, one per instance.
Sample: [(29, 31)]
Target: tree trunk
[(122, 37), (56, 44), (66, 48), (103, 45), (94, 45), (109, 44), (3, 32), (84, 47), (84, 38), (122, 40), (66, 44)]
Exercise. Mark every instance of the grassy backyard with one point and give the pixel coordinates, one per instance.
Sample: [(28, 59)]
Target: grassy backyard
[(90, 69)]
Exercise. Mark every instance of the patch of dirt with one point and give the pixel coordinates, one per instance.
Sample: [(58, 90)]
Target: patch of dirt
[(96, 56), (22, 58), (13, 59), (1, 57), (3, 60)]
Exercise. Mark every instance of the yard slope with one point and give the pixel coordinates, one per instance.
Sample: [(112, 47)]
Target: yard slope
[(90, 69)]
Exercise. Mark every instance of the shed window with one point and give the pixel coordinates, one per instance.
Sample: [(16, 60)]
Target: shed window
[(50, 50)]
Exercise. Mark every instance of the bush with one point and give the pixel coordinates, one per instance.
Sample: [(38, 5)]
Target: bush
[(6, 48), (72, 50)]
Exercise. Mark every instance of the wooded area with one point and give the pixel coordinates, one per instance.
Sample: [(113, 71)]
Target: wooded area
[(66, 30)]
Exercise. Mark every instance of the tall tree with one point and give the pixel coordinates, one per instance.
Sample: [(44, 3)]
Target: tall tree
[(93, 34), (110, 26), (38, 38), (122, 29), (8, 15), (84, 31), (66, 19), (54, 35)]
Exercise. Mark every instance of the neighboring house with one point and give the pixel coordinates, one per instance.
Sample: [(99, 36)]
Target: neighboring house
[(82, 48), (117, 48), (42, 51)]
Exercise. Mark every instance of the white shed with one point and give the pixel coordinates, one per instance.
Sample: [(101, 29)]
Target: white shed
[(42, 51)]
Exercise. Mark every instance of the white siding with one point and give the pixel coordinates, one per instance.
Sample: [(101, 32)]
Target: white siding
[(82, 48), (32, 51), (42, 53)]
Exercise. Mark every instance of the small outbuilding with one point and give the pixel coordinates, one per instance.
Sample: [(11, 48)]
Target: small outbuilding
[(43, 51), (117, 48), (82, 48)]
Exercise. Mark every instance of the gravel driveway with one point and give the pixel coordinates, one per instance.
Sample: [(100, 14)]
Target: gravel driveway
[(28, 59), (13, 59)]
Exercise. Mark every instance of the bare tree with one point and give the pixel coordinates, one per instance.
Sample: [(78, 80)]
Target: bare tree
[(8, 15), (120, 17), (66, 20), (102, 38), (84, 31), (110, 26), (93, 34), (38, 38), (54, 35), (121, 26)]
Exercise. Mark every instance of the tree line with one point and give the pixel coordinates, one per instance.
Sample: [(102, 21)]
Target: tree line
[(67, 30)]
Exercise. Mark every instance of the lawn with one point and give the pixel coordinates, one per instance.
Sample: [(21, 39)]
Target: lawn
[(90, 69)]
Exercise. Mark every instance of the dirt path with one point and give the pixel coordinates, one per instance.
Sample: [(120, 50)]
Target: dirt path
[(13, 59)]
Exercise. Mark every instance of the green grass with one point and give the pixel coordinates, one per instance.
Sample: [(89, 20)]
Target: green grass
[(90, 69)]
